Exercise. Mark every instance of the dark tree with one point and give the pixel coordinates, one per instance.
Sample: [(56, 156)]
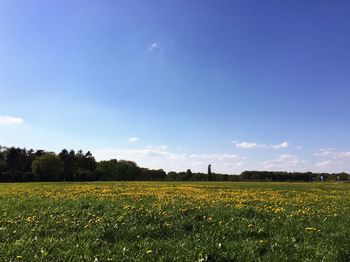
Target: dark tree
[(48, 167), (210, 177), (107, 170), (188, 174), (85, 166), (128, 170)]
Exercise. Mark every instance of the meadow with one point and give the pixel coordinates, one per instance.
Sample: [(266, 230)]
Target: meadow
[(174, 221)]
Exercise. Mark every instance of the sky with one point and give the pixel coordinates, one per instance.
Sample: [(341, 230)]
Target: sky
[(241, 85)]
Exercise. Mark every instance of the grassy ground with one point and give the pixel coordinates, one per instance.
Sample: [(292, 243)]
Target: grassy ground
[(149, 221)]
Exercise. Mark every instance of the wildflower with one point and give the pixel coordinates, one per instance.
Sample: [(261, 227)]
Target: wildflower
[(312, 229), (201, 258), (149, 251), (19, 257)]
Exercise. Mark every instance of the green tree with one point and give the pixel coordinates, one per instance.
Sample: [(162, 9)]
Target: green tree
[(128, 170), (69, 164), (107, 170), (48, 167), (85, 166), (188, 175), (210, 176), (2, 163)]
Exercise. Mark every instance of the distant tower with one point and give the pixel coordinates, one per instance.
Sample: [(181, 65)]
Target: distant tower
[(209, 172)]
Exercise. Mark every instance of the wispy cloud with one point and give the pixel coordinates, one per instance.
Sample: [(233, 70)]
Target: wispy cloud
[(10, 120), (332, 160), (161, 157), (326, 163), (161, 147), (214, 156), (246, 145), (284, 162), (252, 145), (133, 139), (332, 153), (154, 47)]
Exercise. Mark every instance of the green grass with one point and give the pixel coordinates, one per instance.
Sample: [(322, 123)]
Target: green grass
[(173, 221)]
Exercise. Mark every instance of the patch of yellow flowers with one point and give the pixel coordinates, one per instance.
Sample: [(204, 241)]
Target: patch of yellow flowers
[(291, 203)]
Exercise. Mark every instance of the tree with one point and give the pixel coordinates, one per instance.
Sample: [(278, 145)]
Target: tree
[(128, 170), (68, 160), (72, 165), (85, 166), (63, 155), (16, 159), (48, 167), (17, 166), (152, 174), (118, 170), (107, 170), (210, 177), (2, 163), (188, 175), (89, 162), (172, 175)]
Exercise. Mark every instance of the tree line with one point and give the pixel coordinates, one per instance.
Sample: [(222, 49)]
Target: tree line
[(22, 165), (271, 176)]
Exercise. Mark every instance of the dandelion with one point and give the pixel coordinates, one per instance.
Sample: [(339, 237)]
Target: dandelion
[(312, 229)]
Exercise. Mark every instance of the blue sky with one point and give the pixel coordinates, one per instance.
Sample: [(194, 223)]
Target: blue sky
[(180, 84)]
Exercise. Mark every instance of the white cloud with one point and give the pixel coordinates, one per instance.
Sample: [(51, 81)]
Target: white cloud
[(251, 145), (332, 160), (332, 153), (324, 152), (326, 163), (284, 162), (133, 139), (214, 156), (163, 147), (161, 157), (279, 146), (154, 47), (10, 120), (246, 145), (240, 163)]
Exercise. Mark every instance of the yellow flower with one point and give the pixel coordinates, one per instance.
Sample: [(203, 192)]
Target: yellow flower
[(149, 251), (312, 229), (19, 257)]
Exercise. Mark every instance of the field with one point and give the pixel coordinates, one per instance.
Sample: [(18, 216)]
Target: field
[(168, 221)]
